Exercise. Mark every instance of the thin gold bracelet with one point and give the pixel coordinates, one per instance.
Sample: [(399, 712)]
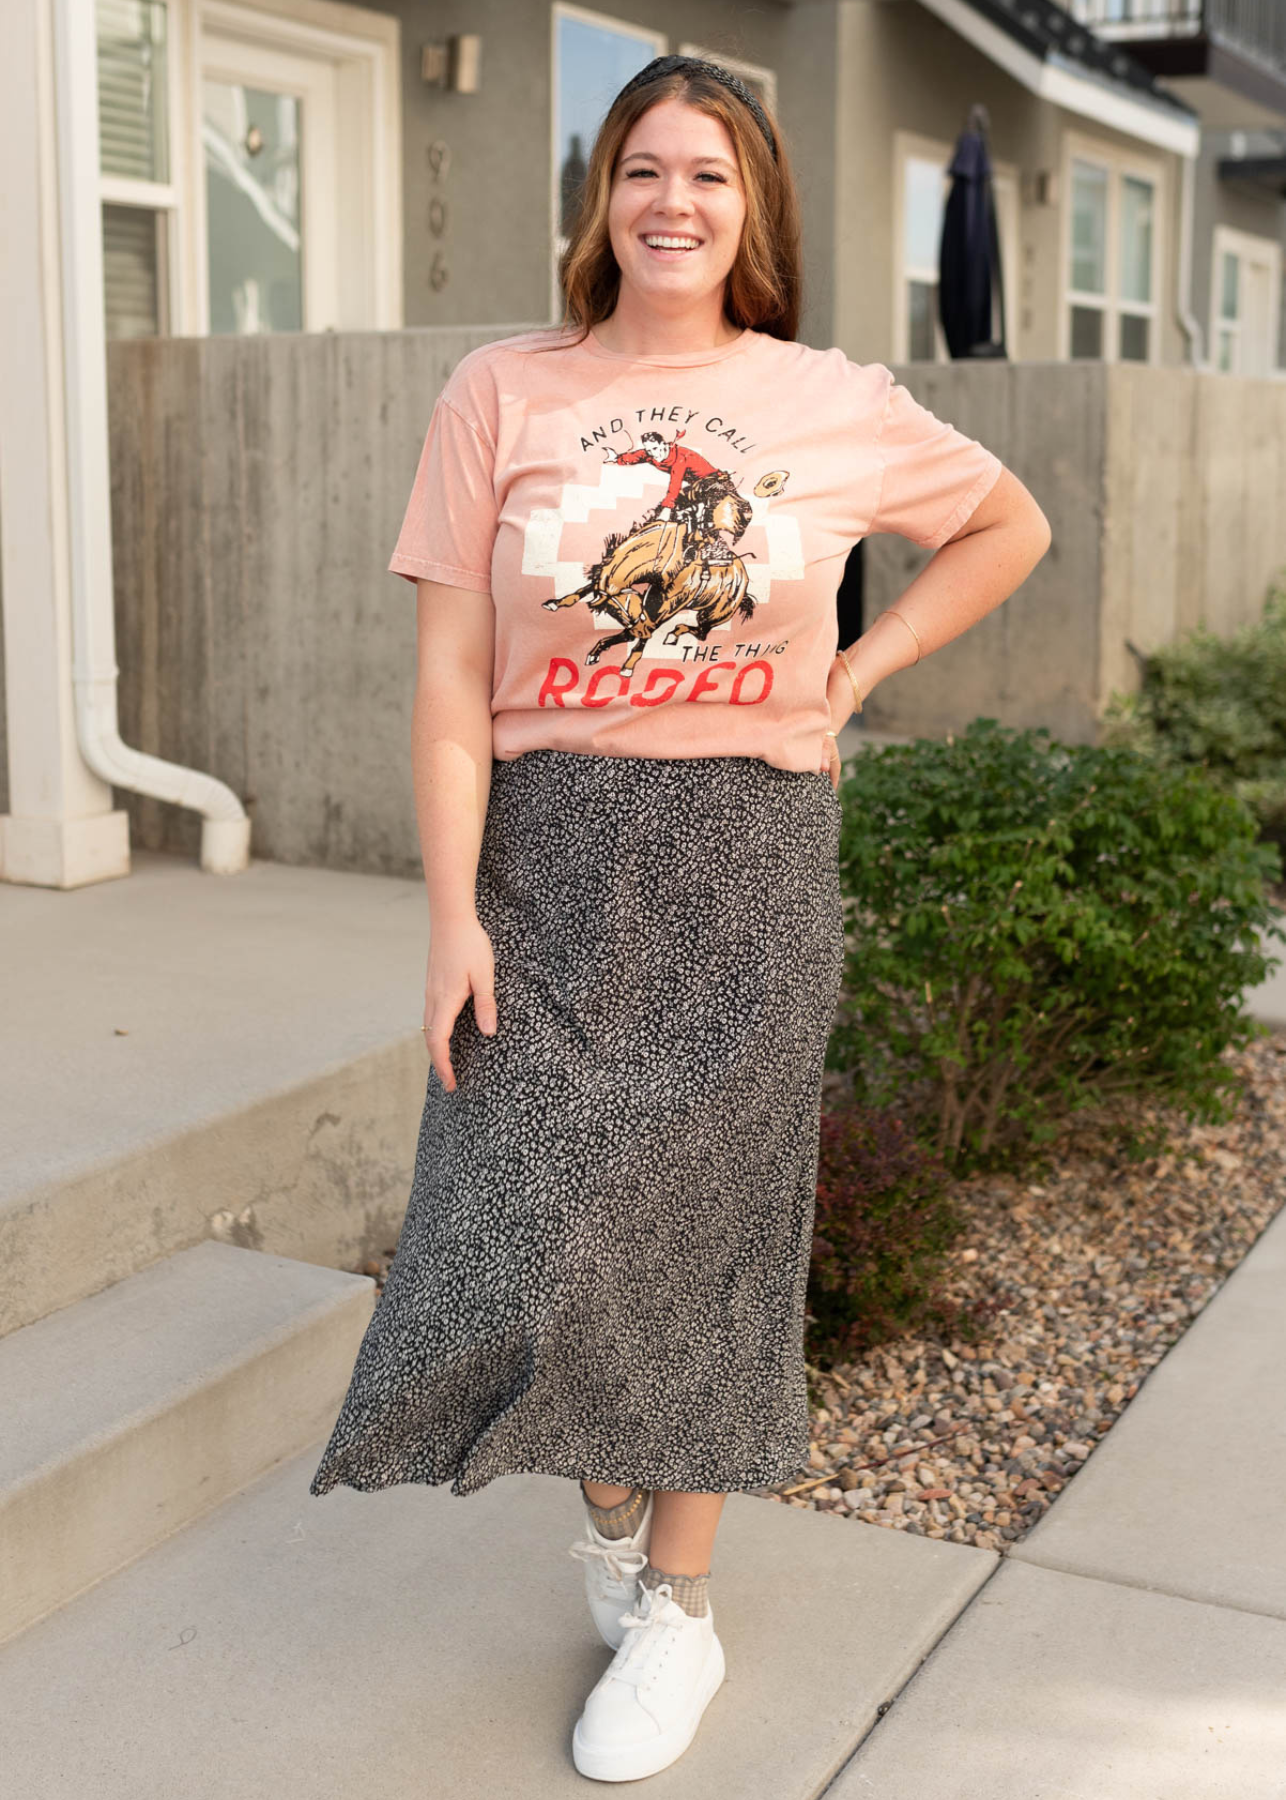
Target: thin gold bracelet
[(919, 647), (857, 693)]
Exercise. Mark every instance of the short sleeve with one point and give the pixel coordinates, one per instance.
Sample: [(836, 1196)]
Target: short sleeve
[(450, 523), (934, 476)]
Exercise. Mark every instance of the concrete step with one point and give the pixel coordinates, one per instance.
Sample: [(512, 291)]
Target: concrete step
[(130, 1414), (188, 1056), (417, 1644)]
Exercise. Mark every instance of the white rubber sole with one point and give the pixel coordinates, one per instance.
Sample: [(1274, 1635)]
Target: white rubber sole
[(628, 1762)]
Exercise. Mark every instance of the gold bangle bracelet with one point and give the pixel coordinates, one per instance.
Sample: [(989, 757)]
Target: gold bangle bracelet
[(919, 647), (857, 692)]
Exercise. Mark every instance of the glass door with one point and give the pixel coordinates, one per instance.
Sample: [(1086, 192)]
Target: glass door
[(250, 140), (268, 128)]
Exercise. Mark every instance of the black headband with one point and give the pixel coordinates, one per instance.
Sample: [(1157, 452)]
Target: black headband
[(670, 65)]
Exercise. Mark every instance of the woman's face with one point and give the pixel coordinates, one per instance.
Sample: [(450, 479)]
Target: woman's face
[(676, 178)]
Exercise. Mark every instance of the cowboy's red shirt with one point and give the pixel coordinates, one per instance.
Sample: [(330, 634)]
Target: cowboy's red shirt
[(677, 460)]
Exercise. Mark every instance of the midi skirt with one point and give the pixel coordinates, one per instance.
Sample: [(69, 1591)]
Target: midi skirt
[(603, 1266)]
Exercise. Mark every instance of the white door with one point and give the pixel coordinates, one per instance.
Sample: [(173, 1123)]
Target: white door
[(269, 126)]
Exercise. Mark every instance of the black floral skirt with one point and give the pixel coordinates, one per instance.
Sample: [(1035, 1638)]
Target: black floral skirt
[(604, 1260)]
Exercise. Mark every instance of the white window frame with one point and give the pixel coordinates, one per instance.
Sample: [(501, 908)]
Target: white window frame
[(1265, 252), (1119, 162), (765, 79), (366, 47), (910, 145), (163, 199), (561, 9)]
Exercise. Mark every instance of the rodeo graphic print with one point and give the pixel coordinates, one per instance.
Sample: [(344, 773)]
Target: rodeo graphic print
[(679, 595)]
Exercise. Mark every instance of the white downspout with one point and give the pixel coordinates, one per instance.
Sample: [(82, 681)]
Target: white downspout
[(225, 828), (1187, 208)]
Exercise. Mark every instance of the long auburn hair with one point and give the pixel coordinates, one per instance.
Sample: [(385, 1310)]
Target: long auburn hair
[(764, 285)]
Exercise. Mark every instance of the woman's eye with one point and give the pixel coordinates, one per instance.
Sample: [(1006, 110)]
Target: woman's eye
[(706, 175)]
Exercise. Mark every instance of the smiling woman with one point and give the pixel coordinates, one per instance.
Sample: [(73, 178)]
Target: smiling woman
[(626, 533), (677, 204)]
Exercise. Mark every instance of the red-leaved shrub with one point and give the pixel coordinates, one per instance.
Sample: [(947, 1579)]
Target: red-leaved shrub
[(882, 1227)]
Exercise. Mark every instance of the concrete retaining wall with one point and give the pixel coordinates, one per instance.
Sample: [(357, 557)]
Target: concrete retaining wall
[(1162, 488), (258, 485)]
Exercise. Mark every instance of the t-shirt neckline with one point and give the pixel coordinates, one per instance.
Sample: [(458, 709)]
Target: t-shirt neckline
[(688, 359)]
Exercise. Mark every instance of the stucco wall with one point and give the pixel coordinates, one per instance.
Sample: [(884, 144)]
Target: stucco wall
[(1241, 205), (497, 241)]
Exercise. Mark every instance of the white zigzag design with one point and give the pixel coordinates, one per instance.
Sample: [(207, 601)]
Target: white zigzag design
[(543, 537)]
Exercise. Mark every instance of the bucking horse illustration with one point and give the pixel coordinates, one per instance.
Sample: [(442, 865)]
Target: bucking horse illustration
[(680, 561)]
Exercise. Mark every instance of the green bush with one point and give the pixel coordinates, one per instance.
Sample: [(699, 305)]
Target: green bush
[(882, 1226), (1218, 703), (1036, 928)]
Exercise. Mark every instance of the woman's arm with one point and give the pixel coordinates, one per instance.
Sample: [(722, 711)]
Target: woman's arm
[(451, 762), (993, 553)]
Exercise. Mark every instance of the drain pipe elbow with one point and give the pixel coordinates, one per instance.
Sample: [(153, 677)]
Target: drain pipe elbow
[(225, 824)]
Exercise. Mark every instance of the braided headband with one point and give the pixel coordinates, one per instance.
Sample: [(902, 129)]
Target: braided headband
[(669, 65)]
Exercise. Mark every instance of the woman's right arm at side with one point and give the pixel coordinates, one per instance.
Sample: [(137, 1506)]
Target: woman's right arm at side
[(451, 757)]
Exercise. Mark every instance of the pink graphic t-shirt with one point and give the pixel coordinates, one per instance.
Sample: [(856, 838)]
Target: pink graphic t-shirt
[(662, 537)]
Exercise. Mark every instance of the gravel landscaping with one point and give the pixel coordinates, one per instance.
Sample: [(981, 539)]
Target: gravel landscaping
[(1098, 1271)]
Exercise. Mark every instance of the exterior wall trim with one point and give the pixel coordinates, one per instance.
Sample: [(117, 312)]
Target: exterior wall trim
[(1058, 83)]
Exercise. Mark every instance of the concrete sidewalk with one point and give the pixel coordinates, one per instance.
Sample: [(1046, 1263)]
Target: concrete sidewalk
[(1268, 1000), (413, 1643)]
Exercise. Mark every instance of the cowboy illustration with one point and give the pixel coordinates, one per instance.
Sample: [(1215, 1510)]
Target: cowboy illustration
[(695, 489)]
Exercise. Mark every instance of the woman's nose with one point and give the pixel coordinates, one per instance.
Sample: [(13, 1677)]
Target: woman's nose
[(673, 196)]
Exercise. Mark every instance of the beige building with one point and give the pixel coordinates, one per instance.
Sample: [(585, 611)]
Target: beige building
[(253, 205), (301, 164)]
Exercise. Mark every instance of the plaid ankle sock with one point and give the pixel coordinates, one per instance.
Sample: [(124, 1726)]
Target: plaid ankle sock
[(691, 1591), (618, 1521)]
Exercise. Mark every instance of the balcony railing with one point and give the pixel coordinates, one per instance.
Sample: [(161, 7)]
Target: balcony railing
[(1256, 29)]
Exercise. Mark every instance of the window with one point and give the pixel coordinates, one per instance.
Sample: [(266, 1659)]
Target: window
[(1227, 355), (1245, 303), (138, 199), (593, 59), (1110, 310), (920, 196), (761, 82), (924, 190), (250, 166)]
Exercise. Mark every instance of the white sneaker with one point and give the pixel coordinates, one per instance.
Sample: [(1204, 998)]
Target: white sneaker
[(644, 1710), (612, 1570)]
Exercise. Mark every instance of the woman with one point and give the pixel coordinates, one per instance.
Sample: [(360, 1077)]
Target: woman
[(626, 535)]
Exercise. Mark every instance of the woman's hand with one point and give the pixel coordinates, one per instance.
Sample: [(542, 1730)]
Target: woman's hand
[(461, 962), (839, 701)]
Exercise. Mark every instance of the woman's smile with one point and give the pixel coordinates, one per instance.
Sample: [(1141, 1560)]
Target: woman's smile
[(670, 244)]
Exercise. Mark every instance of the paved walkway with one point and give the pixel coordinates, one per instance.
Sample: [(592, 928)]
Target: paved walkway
[(415, 1644)]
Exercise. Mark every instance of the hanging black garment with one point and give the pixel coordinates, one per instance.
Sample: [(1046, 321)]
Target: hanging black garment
[(971, 298)]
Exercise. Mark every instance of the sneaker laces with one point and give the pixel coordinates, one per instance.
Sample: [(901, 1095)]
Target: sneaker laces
[(623, 1565), (650, 1626)]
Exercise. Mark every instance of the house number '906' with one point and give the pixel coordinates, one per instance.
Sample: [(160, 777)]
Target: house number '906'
[(439, 160)]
